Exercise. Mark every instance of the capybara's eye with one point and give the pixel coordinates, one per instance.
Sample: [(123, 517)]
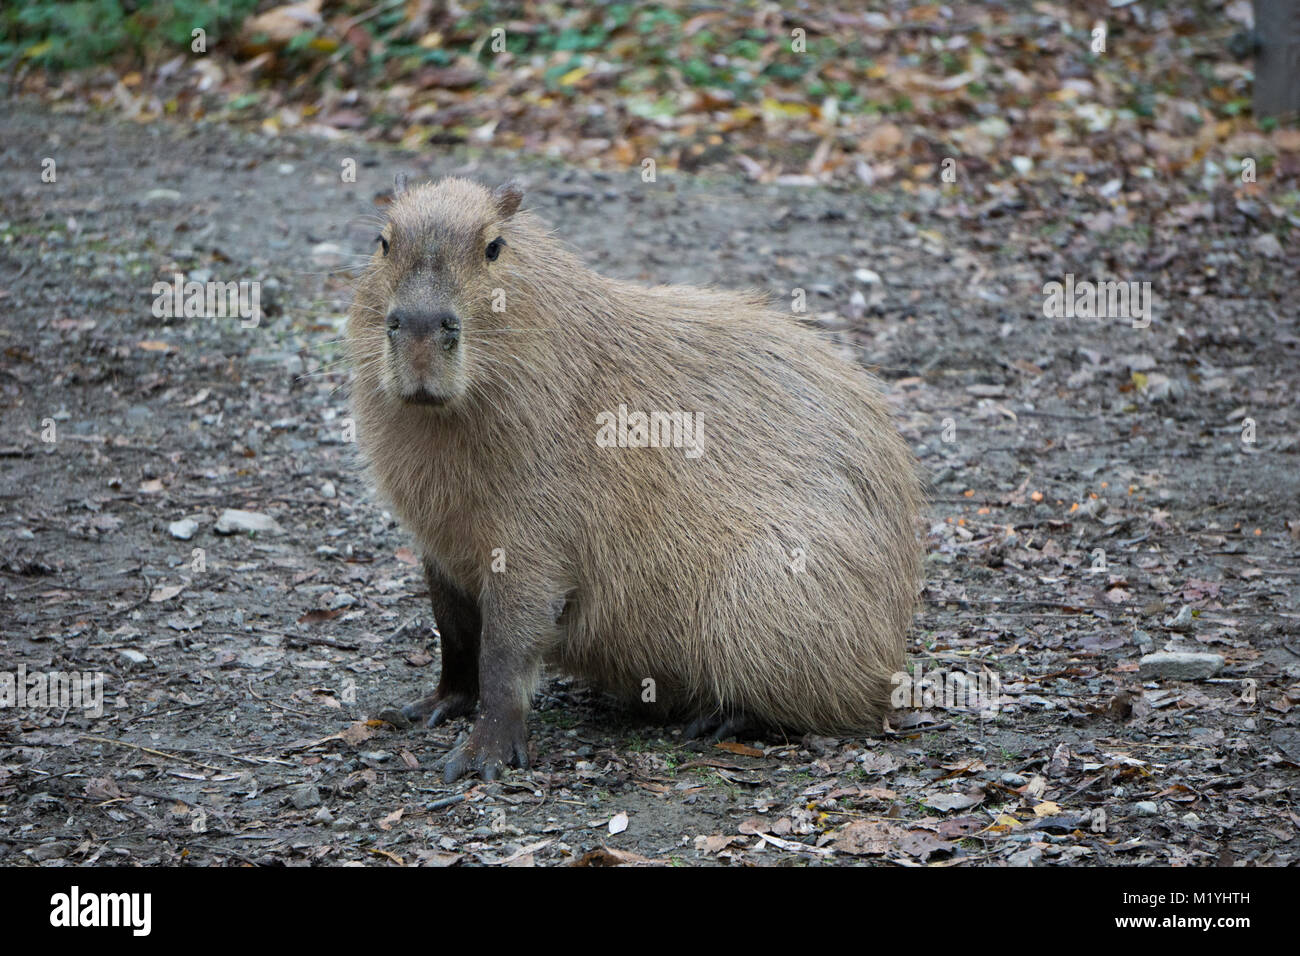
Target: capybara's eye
[(494, 248), (383, 243)]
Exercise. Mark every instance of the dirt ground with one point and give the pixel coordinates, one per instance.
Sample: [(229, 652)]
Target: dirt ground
[(240, 698)]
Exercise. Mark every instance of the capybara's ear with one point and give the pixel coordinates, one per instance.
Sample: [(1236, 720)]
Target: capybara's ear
[(507, 198), (399, 184)]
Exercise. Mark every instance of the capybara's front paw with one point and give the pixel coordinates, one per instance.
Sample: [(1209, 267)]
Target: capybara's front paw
[(490, 748), (440, 707)]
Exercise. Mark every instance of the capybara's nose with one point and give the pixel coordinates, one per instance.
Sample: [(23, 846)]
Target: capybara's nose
[(443, 327)]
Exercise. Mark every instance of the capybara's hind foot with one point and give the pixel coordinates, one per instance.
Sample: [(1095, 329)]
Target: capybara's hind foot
[(718, 726), (439, 707)]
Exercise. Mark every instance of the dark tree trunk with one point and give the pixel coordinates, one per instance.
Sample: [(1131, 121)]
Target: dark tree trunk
[(1277, 57)]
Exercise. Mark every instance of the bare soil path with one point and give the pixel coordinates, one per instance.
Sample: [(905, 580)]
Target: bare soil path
[(1093, 500)]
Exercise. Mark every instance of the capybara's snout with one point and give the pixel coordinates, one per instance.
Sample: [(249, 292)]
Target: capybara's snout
[(412, 328), (423, 344)]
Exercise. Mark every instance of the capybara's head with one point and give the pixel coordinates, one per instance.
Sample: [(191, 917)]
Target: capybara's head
[(430, 288)]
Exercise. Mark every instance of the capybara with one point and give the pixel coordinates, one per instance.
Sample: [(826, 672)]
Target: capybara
[(681, 495)]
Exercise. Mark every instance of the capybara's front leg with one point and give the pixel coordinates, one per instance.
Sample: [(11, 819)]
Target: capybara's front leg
[(459, 624), (514, 632)]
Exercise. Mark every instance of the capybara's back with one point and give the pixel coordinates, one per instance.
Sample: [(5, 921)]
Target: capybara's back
[(766, 566), (680, 494)]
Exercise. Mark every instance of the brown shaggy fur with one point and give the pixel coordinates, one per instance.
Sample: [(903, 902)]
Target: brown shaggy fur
[(678, 569)]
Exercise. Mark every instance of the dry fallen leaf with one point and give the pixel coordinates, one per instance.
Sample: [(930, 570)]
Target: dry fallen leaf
[(359, 732), (869, 838), (282, 24), (103, 788), (947, 802), (606, 856), (715, 843), (921, 844), (318, 615), (734, 747)]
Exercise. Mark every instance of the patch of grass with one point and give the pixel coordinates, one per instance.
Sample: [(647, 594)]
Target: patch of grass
[(559, 718), (67, 35)]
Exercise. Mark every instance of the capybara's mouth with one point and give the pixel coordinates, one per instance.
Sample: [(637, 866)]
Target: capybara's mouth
[(424, 397)]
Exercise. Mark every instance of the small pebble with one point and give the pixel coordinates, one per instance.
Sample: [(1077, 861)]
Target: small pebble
[(233, 521), (1027, 857), (1179, 665), (305, 797), (49, 851)]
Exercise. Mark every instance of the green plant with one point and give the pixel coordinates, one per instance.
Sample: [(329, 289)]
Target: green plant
[(84, 32)]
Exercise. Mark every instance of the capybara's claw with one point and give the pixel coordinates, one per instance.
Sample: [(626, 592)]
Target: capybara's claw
[(487, 755), (438, 708), (449, 707)]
